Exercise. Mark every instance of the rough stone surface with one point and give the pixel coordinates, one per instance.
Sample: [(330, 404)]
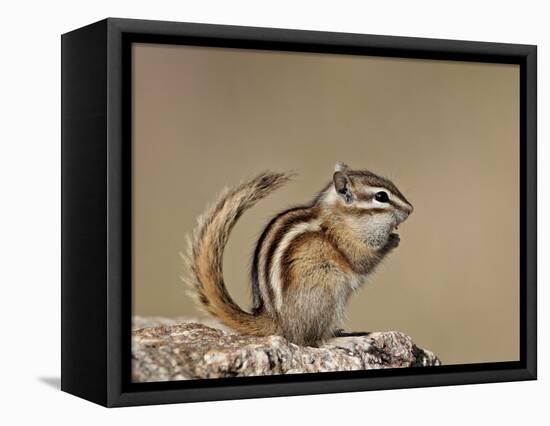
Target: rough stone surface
[(168, 350)]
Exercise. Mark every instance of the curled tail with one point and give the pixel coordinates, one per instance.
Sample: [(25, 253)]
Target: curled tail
[(205, 254)]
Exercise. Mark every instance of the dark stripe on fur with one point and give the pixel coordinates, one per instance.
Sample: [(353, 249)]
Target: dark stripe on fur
[(257, 301), (306, 214)]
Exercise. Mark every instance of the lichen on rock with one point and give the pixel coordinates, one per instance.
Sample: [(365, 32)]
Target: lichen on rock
[(167, 350)]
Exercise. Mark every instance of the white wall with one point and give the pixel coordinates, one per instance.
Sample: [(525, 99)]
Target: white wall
[(29, 230)]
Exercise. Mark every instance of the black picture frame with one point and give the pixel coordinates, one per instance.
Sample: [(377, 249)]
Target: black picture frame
[(96, 211)]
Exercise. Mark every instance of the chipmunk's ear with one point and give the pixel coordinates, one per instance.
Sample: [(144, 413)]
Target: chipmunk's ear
[(342, 185), (341, 167)]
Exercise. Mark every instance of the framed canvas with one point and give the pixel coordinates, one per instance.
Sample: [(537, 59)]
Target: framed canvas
[(255, 212)]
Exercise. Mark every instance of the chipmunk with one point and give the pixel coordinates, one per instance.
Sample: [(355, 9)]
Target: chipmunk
[(308, 260)]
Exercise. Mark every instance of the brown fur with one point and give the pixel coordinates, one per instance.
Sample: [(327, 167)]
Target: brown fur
[(359, 212), (205, 254), (258, 262), (315, 290), (317, 259), (285, 224)]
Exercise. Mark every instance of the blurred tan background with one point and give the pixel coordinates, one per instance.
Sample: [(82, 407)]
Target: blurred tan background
[(447, 133)]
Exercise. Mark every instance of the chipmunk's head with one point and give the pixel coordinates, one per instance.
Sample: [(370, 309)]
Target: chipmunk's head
[(371, 205)]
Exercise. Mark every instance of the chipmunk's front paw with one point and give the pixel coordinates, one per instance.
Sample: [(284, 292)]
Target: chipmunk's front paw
[(393, 241)]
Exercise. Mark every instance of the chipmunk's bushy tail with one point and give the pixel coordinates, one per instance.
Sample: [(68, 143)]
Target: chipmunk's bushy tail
[(205, 254)]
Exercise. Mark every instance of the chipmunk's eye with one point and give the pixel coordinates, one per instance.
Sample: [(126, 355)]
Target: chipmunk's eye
[(382, 197)]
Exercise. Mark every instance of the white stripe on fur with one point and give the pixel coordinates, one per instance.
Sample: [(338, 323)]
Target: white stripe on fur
[(275, 273)]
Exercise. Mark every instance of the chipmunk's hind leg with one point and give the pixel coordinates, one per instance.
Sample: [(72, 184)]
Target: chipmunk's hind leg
[(314, 308), (315, 289), (306, 317)]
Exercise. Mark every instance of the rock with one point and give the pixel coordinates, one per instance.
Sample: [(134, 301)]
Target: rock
[(190, 350)]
